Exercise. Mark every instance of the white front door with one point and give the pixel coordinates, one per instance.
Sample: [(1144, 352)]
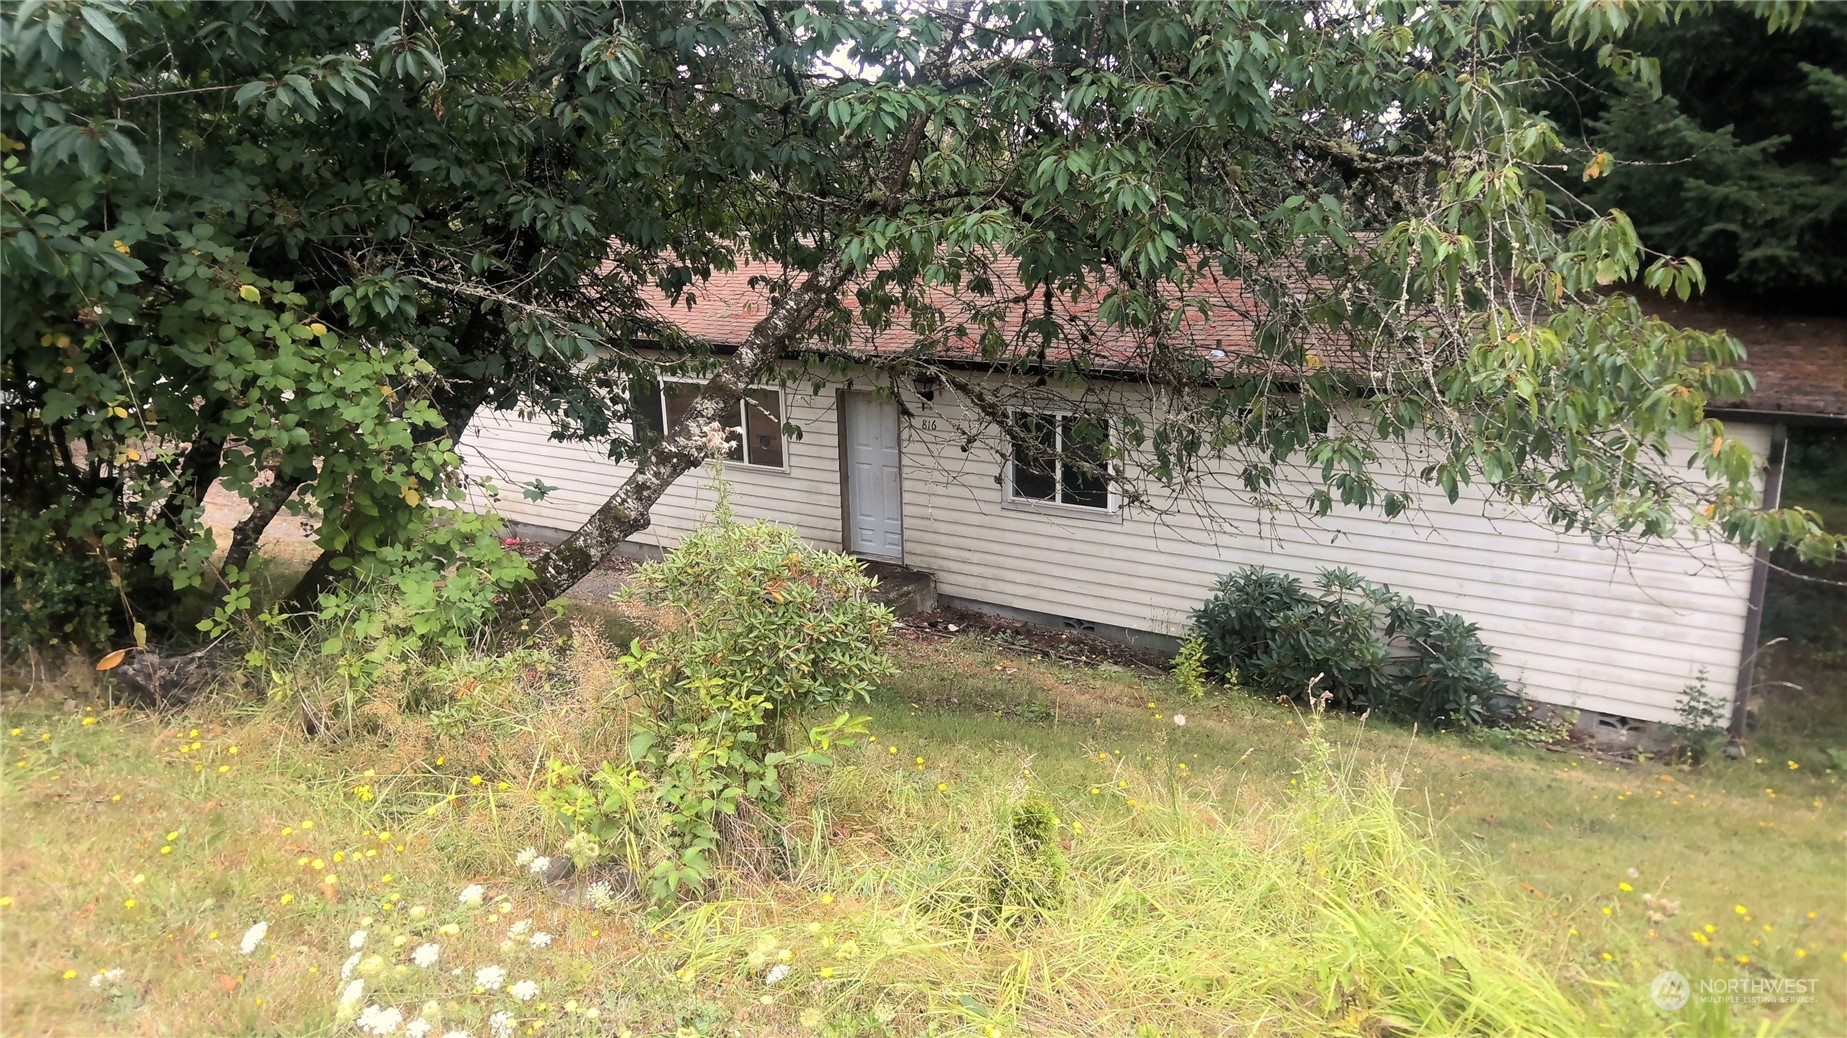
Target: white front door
[(875, 502)]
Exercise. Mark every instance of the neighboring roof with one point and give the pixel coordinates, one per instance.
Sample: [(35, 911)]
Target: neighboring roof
[(1800, 363)]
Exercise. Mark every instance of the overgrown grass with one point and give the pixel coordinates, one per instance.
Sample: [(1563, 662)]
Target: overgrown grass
[(1252, 871)]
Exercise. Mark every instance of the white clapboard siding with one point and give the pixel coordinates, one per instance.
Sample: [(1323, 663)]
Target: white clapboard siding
[(513, 452), (1571, 622)]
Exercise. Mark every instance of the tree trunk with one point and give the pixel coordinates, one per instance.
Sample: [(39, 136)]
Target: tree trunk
[(626, 511), (246, 534)]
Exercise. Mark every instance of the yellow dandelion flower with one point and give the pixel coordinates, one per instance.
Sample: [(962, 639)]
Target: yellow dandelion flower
[(286, 898), (1740, 909), (1625, 888), (827, 899), (6, 901), (89, 720), (130, 903), (70, 974)]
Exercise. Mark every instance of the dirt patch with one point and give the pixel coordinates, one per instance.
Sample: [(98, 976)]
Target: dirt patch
[(1065, 646)]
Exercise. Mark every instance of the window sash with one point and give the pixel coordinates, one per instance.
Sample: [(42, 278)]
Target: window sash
[(1050, 480)]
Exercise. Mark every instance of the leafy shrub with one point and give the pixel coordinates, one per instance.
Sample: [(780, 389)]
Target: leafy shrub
[(750, 628), (436, 593), (50, 593), (1029, 872), (1190, 667), (1362, 644)]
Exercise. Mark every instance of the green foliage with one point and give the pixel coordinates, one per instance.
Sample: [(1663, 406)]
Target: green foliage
[(305, 242), (1362, 645), (752, 629), (52, 592), (1698, 709), (1747, 180), (1190, 667), (1029, 873), (1703, 718), (434, 593)]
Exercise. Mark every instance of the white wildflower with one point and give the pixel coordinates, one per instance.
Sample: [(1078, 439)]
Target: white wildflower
[(525, 990), (472, 894), (500, 1025), (353, 993), (524, 857), (540, 939), (418, 1028), (381, 1020), (455, 1034), (347, 967), (600, 894), (540, 865), (1180, 719), (108, 976), (776, 974), (519, 928), (425, 955), (490, 977), (357, 941), (254, 937)]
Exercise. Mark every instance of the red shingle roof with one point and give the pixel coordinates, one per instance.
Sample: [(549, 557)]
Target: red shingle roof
[(1800, 363)]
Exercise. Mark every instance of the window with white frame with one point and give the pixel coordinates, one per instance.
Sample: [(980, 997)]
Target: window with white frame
[(658, 408), (1059, 459)]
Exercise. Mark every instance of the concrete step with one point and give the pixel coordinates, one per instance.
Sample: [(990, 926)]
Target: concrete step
[(904, 591)]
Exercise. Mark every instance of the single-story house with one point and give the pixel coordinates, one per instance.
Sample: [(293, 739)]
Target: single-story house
[(897, 476)]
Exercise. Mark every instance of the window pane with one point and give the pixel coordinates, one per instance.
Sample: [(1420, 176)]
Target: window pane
[(763, 427), (645, 410), (680, 397), (1085, 467), (1035, 457)]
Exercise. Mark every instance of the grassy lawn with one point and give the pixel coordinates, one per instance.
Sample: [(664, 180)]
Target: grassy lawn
[(1225, 879)]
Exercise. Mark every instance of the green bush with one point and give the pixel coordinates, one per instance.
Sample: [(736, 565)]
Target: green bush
[(49, 593), (1363, 645), (750, 629), (1029, 872)]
